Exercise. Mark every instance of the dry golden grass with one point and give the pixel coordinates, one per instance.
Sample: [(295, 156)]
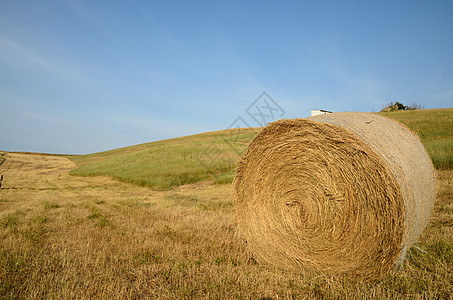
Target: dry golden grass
[(65, 236)]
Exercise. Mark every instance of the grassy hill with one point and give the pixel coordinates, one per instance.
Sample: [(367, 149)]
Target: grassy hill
[(213, 155), (173, 162)]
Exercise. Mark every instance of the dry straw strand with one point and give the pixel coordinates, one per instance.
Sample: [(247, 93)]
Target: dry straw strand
[(341, 194)]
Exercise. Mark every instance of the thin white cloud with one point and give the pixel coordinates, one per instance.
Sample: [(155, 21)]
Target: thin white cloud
[(21, 56), (51, 119)]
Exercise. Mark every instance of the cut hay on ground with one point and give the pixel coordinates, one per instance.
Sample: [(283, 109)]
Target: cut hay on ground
[(343, 194)]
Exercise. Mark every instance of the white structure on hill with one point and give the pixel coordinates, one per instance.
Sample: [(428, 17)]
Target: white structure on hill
[(315, 112)]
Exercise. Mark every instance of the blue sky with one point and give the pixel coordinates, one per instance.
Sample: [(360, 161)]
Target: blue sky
[(86, 76)]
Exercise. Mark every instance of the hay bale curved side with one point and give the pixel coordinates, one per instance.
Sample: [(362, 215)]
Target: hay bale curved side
[(316, 195), (405, 155)]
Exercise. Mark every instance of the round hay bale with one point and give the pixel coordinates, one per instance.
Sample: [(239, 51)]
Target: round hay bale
[(342, 194)]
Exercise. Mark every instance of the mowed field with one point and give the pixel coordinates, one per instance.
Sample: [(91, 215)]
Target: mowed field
[(157, 221)]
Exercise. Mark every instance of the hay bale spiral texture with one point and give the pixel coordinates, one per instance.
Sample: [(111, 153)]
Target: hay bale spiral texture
[(342, 194)]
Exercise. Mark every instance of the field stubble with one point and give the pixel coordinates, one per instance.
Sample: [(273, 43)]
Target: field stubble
[(75, 237)]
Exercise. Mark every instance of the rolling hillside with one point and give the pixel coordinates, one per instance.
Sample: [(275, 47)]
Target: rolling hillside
[(213, 156), (173, 162)]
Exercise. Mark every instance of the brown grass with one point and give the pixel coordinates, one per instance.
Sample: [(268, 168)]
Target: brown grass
[(93, 237)]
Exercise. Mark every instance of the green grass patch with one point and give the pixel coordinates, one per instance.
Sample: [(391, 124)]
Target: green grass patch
[(35, 229), (225, 178), (50, 205), (100, 219), (148, 257), (10, 221), (169, 163)]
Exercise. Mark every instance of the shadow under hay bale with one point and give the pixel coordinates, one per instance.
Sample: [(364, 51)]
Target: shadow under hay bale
[(342, 194)]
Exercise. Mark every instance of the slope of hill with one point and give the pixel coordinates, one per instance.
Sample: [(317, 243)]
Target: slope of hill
[(213, 155), (173, 162)]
